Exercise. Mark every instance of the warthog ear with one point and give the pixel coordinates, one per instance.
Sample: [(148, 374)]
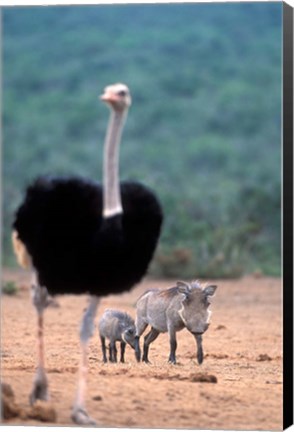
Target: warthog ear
[(209, 290), (183, 287)]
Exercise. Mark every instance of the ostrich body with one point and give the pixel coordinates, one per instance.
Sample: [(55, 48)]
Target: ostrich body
[(80, 237), (74, 248)]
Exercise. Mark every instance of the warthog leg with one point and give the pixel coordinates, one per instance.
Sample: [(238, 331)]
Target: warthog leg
[(198, 339), (150, 337), (137, 348), (141, 326), (103, 346), (122, 351), (173, 346), (112, 352)]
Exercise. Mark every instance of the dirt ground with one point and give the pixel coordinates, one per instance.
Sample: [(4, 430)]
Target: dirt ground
[(242, 349)]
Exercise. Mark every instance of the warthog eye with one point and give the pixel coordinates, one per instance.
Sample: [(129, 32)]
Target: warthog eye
[(130, 332), (206, 302)]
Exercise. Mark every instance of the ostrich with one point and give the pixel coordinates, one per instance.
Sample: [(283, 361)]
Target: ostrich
[(80, 237)]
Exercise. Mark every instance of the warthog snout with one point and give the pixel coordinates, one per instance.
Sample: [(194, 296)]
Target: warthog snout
[(200, 331)]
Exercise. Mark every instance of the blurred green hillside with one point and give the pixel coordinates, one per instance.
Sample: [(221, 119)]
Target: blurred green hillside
[(204, 129)]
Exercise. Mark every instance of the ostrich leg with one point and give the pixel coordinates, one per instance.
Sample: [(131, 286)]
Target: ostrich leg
[(40, 383), (79, 414)]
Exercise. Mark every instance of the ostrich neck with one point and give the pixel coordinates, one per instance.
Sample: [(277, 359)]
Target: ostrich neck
[(111, 188)]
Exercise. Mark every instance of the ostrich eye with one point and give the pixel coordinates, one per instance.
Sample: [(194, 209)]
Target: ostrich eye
[(122, 93)]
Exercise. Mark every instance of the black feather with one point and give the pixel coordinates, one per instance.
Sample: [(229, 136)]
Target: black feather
[(74, 249)]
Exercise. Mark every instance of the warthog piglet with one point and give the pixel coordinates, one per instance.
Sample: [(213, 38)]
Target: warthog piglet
[(116, 326)]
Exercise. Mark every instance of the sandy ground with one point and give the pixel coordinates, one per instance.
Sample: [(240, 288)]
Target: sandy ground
[(242, 350)]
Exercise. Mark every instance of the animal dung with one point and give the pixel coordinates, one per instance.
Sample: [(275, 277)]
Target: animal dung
[(194, 377), (42, 411), (263, 357), (203, 377), (97, 398), (7, 391), (221, 327), (8, 407)]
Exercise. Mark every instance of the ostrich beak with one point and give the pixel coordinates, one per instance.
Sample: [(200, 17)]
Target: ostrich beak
[(108, 97), (103, 97)]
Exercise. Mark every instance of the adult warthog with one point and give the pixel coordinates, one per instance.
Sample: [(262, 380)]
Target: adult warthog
[(171, 310)]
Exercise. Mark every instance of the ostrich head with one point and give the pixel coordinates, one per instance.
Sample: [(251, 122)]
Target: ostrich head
[(117, 96)]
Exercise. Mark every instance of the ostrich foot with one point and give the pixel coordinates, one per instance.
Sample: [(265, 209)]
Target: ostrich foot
[(40, 387), (80, 416)]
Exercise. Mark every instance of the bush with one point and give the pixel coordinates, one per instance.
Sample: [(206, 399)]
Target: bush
[(9, 288), (203, 131)]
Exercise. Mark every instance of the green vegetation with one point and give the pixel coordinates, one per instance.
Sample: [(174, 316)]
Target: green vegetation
[(9, 288), (203, 131)]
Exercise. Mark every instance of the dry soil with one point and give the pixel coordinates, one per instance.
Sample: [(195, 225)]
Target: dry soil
[(242, 350)]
